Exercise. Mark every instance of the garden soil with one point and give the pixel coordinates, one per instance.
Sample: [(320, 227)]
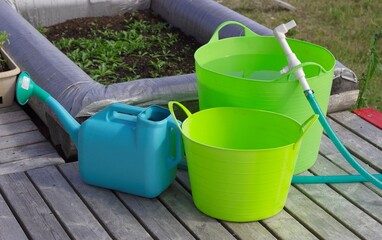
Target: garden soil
[(3, 64), (82, 28)]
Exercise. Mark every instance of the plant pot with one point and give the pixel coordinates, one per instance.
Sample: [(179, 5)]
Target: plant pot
[(7, 81)]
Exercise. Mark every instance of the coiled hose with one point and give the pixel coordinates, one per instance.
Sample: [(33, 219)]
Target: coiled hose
[(293, 61)]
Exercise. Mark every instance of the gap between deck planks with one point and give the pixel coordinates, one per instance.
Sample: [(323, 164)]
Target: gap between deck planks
[(22, 146)]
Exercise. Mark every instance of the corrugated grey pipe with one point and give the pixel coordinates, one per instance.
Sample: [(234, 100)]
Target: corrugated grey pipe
[(47, 12), (78, 93), (200, 18), (71, 86)]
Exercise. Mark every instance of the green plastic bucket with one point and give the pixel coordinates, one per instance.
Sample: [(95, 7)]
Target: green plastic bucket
[(245, 72), (240, 160)]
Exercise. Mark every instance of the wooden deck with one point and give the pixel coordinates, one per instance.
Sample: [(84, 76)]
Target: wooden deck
[(52, 202), (22, 146)]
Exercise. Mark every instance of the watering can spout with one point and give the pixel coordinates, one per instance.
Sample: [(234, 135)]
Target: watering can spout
[(26, 88)]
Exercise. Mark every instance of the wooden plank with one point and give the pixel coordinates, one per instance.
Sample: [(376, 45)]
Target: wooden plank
[(368, 153), (330, 152), (250, 230), (287, 227), (359, 126), (343, 210), (31, 163), (282, 225), (104, 203), (14, 107), (357, 193), (318, 220), (17, 127), (25, 152), (242, 230), (10, 117), (10, 228), (180, 203), (66, 204), (30, 208), (21, 139), (150, 212)]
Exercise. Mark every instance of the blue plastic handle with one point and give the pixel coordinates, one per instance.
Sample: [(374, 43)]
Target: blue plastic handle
[(122, 112), (178, 143)]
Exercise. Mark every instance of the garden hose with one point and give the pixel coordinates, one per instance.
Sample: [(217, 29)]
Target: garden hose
[(376, 179)]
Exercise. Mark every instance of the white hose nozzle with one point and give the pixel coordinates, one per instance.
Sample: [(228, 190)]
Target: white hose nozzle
[(284, 28), (293, 61), (280, 32)]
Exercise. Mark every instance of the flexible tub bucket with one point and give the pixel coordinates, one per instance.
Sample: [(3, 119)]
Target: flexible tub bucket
[(240, 160), (245, 72)]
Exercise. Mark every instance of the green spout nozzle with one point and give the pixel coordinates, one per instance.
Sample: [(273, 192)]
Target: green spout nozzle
[(26, 88)]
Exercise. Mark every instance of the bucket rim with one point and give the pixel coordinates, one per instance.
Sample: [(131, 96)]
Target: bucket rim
[(245, 150), (224, 40), (239, 150), (205, 47), (285, 75)]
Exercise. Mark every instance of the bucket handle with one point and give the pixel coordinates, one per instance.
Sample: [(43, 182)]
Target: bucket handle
[(171, 108), (295, 68), (247, 32), (306, 126)]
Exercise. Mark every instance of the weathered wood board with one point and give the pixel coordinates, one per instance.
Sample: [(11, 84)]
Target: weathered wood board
[(52, 202)]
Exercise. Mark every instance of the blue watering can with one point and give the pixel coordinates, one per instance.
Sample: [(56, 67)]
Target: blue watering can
[(126, 148)]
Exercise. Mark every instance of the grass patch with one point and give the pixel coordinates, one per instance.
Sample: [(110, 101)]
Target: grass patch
[(346, 28)]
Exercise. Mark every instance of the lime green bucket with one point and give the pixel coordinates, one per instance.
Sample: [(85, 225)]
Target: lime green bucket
[(245, 72), (240, 160)]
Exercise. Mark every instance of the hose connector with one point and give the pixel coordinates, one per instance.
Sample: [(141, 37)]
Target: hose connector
[(308, 92), (285, 27)]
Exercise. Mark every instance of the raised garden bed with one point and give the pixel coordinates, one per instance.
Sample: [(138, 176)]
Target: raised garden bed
[(80, 94), (113, 49), (3, 61), (8, 72)]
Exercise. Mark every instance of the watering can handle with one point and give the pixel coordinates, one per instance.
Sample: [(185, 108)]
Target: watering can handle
[(179, 147), (247, 32), (178, 144), (123, 112), (306, 125), (171, 108), (295, 68)]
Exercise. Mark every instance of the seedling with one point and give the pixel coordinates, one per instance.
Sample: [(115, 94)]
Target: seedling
[(140, 43), (4, 38), (373, 64)]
